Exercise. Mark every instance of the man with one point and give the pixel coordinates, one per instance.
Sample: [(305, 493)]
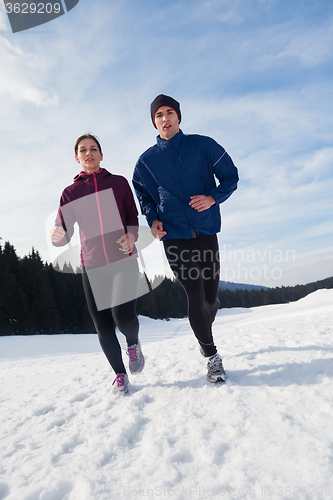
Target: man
[(175, 184)]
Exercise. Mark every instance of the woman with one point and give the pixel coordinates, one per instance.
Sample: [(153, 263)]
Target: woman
[(103, 206)]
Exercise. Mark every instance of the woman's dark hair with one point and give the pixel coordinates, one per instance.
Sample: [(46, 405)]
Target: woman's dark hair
[(86, 136)]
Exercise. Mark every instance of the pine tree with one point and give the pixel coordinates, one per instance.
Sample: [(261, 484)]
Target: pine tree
[(14, 310), (36, 285)]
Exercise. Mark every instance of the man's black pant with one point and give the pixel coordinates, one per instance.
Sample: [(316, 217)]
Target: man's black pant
[(196, 264)]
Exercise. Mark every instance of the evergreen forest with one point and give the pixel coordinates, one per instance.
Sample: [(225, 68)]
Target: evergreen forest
[(37, 298)]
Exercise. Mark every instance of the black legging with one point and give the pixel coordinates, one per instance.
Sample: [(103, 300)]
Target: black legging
[(196, 264), (123, 316)]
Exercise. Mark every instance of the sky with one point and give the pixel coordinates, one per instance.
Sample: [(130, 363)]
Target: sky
[(256, 75)]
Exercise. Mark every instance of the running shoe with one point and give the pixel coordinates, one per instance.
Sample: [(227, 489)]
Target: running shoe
[(121, 384), (136, 358), (216, 371)]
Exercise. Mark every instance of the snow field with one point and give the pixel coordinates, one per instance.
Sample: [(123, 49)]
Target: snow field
[(266, 433)]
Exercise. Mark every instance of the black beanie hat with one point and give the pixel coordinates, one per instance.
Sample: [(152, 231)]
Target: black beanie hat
[(164, 100)]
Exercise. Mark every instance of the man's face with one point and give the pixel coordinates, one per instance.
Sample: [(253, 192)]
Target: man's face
[(167, 122)]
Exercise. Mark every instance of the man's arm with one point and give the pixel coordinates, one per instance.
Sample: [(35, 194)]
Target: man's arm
[(147, 202), (225, 171), (201, 202), (157, 229)]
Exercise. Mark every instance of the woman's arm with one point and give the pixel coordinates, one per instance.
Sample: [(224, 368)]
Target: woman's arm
[(63, 229), (57, 234)]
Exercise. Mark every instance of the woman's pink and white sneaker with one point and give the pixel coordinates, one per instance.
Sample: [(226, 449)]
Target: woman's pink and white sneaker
[(120, 384), (136, 358)]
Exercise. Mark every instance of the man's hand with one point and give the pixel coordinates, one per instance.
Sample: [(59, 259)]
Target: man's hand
[(57, 234), (126, 243), (201, 202), (157, 229)]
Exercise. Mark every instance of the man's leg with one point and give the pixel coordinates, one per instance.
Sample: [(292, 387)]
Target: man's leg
[(184, 258), (210, 272)]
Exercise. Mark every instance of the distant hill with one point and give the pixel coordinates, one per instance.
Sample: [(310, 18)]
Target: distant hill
[(228, 285), (279, 295)]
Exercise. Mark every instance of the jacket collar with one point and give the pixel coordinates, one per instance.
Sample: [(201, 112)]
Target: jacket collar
[(173, 142), (83, 175)]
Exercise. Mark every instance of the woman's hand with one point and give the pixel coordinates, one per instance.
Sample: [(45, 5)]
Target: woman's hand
[(157, 229), (201, 202), (126, 243), (57, 234)]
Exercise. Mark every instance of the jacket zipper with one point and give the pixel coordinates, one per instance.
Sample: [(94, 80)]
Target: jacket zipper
[(100, 218)]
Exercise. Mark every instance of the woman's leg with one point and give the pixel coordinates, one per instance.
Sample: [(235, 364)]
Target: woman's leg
[(105, 327), (125, 289), (124, 298), (126, 320)]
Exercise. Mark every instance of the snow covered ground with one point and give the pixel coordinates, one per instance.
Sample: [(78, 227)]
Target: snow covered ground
[(266, 433)]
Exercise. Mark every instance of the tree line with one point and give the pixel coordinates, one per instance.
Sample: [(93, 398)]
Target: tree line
[(35, 298), (263, 297)]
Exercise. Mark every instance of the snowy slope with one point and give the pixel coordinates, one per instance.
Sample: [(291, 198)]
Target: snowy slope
[(266, 433)]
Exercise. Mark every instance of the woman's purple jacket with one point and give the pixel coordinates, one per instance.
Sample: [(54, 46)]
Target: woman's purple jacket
[(103, 206)]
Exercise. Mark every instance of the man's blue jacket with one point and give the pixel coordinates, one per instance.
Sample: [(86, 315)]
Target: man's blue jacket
[(170, 172)]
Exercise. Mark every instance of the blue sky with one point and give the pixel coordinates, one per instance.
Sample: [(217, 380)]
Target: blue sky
[(255, 75)]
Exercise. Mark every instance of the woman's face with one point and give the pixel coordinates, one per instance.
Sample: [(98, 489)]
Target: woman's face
[(88, 156)]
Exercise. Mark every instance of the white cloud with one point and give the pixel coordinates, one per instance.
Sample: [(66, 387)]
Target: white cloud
[(312, 48), (220, 10), (4, 24), (19, 81)]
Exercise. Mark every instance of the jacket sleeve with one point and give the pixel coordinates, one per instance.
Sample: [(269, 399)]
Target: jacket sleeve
[(66, 219), (225, 171), (147, 202), (131, 212)]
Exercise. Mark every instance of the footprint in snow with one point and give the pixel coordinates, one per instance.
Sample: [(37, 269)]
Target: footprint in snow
[(44, 410)]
